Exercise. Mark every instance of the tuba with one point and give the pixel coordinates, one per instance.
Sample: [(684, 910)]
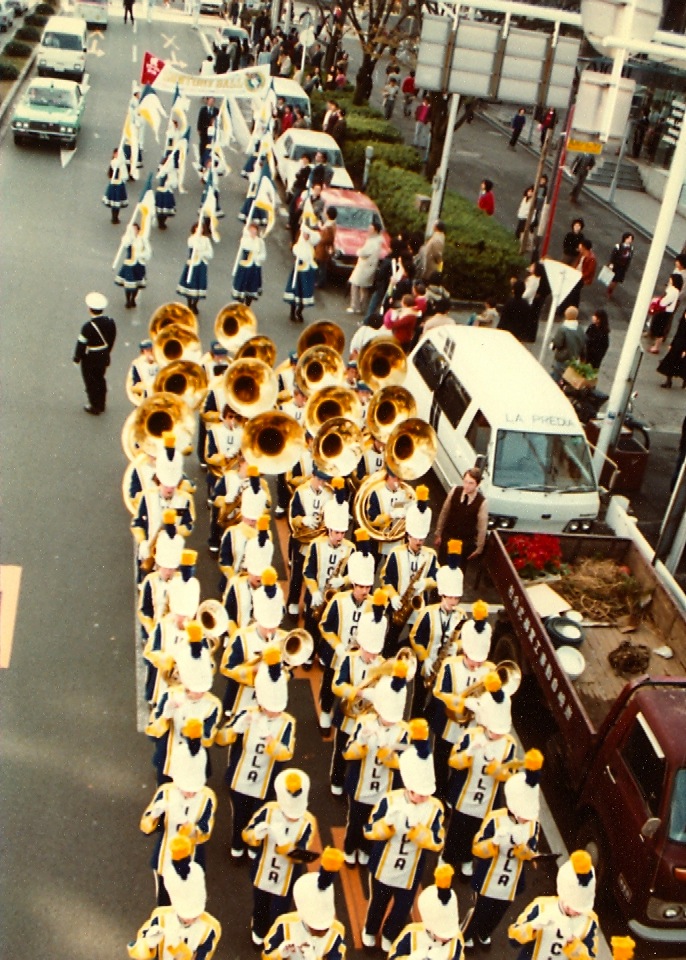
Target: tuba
[(382, 363), (411, 449), (273, 442), (337, 447), (394, 529), (296, 648), (323, 332), (251, 387), (185, 379), (330, 403), (213, 617), (175, 342), (233, 325), (258, 348), (159, 414), (389, 407), (172, 313), (319, 367)]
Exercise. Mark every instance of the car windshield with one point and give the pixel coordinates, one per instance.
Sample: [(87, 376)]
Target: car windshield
[(355, 218), (541, 461), (52, 97), (677, 816), (333, 156), (63, 41)]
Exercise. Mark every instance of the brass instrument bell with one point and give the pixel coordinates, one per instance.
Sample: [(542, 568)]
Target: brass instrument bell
[(411, 449), (273, 442), (319, 367), (330, 402), (337, 447), (175, 342), (323, 332), (387, 408), (382, 363), (251, 387), (258, 348), (185, 379), (233, 325), (172, 313), (158, 414)]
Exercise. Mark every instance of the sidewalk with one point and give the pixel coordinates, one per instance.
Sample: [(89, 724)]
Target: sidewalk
[(639, 210)]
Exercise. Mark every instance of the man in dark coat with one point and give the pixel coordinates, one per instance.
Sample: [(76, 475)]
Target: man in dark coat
[(92, 352), (517, 317)]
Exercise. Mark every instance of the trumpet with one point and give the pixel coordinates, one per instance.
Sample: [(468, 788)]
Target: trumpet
[(510, 677)]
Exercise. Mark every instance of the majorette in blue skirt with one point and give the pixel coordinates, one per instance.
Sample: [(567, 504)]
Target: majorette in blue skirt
[(168, 181), (247, 274), (115, 196), (300, 285), (193, 281), (132, 275)]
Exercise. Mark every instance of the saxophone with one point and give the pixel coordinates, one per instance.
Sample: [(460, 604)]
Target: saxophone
[(409, 601), (328, 590), (448, 648)]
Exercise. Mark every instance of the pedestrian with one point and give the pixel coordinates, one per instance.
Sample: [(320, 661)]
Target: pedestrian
[(339, 129), (517, 123), (402, 322), (567, 344), (246, 282), (516, 315), (680, 457), (115, 196), (389, 94), (548, 123), (193, 281), (128, 10), (586, 263), (620, 258), (597, 339), (431, 254), (93, 349), (571, 241), (207, 116), (422, 123), (486, 200), (525, 205), (640, 130), (131, 275), (300, 284), (409, 92), (324, 251), (364, 271), (673, 364), (464, 517), (234, 11), (581, 168), (662, 310), (537, 288)]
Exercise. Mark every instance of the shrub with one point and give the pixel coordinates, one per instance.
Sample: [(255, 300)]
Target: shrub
[(29, 34), (371, 129), (8, 71), (47, 9), (16, 49), (35, 20), (480, 255), (343, 98), (391, 153)]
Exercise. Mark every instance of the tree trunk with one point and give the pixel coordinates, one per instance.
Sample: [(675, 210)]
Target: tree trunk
[(364, 80), (439, 127)]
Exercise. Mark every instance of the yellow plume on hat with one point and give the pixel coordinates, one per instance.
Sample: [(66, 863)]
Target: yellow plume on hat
[(479, 609), (263, 522), (492, 682), (269, 576), (169, 439), (169, 516), (194, 631), (400, 668), (380, 597), (253, 471), (188, 558), (455, 546), (293, 782), (361, 535), (443, 876), (533, 760), (192, 729), (338, 483), (180, 847), (419, 729), (332, 859), (271, 656), (422, 492), (581, 861), (622, 948)]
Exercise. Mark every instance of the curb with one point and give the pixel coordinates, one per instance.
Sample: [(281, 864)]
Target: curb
[(9, 100), (589, 191)]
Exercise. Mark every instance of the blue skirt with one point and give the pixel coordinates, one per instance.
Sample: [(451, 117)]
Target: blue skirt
[(247, 282), (115, 196), (131, 276), (300, 287), (165, 203), (249, 165), (259, 215), (195, 285)]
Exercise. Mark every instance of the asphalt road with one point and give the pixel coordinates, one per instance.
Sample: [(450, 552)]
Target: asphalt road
[(76, 776)]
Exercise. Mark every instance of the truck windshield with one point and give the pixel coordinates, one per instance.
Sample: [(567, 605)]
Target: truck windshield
[(677, 816), (543, 461)]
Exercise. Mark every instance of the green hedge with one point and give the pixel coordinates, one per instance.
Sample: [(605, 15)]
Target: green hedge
[(47, 9), (371, 128), (394, 154), (35, 20), (29, 34), (344, 98), (8, 71), (16, 49), (480, 255)]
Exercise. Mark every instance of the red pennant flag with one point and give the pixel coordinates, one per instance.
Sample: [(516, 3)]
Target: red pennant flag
[(152, 67)]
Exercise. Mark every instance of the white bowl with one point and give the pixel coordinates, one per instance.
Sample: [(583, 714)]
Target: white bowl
[(572, 660), (574, 615)]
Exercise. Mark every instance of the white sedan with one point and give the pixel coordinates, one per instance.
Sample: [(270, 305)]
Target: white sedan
[(291, 146)]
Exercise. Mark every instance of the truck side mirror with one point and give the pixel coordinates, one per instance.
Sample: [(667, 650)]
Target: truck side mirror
[(650, 827)]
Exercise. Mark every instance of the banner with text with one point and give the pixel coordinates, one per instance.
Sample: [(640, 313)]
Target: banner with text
[(162, 76)]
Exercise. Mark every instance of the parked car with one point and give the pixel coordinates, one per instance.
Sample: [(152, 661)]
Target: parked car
[(212, 6), (19, 7), (51, 109), (291, 146), (6, 14), (355, 212)]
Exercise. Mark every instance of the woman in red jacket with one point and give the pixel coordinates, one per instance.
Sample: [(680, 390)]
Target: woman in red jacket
[(486, 201)]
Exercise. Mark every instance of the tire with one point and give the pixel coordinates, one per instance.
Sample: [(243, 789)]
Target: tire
[(591, 837), (507, 648)]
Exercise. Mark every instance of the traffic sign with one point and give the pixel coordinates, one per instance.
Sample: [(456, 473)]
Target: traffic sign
[(584, 146)]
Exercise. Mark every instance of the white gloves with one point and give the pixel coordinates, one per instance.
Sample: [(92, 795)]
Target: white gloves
[(396, 602), (144, 550), (337, 582), (317, 598), (261, 830), (420, 585), (397, 513), (310, 521)]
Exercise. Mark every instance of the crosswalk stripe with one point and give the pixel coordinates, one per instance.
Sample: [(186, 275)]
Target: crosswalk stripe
[(10, 580)]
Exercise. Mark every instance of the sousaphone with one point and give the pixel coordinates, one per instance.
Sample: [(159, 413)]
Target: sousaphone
[(319, 367), (337, 447), (411, 449), (250, 386), (273, 442), (322, 333), (258, 348), (382, 363), (389, 407), (145, 426), (172, 313), (185, 379), (330, 403), (233, 325), (175, 342)]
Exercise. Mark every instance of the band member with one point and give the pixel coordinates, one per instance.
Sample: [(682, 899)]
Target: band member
[(404, 825), (457, 674), (372, 756), (244, 653), (387, 505), (142, 372), (184, 806), (373, 458), (563, 925), (410, 569), (240, 592), (293, 404), (262, 738), (481, 760), (341, 620), (186, 717), (355, 666), (436, 632), (223, 441), (507, 840), (326, 560), (184, 929), (311, 931), (280, 832), (153, 595), (225, 500), (305, 515), (132, 273), (235, 538), (437, 935)]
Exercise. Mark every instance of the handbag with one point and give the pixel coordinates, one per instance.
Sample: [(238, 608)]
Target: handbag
[(654, 306), (606, 275)]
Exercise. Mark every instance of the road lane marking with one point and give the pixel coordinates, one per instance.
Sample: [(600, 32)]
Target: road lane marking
[(10, 580)]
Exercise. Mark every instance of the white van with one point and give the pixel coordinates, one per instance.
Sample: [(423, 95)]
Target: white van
[(493, 405), (292, 93), (62, 50)]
